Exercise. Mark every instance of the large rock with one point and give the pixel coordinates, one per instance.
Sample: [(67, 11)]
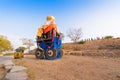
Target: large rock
[(13, 72), (21, 75), (8, 63), (17, 68), (17, 73)]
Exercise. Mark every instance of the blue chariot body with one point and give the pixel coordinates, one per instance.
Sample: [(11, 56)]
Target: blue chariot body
[(49, 45)]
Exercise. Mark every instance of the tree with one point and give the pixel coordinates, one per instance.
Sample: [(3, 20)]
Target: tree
[(108, 37), (21, 48), (5, 44), (74, 34), (28, 43)]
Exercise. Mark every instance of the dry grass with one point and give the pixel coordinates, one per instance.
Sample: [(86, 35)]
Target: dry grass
[(94, 45), (103, 47), (72, 68)]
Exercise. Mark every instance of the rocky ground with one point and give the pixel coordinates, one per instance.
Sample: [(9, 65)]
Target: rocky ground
[(72, 68), (9, 71), (2, 71)]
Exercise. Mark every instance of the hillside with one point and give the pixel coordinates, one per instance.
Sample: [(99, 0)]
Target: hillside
[(102, 47)]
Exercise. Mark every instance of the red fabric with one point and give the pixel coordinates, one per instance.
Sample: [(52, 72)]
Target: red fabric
[(49, 28)]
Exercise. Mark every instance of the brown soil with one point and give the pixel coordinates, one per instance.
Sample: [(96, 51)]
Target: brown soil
[(71, 68), (2, 71)]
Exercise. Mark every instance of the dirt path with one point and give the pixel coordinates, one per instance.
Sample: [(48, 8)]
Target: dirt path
[(72, 68)]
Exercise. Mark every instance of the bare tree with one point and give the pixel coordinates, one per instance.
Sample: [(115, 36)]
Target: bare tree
[(74, 34), (28, 43)]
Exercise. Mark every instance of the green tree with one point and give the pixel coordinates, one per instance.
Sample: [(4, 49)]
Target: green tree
[(82, 42), (21, 48), (5, 44), (108, 37)]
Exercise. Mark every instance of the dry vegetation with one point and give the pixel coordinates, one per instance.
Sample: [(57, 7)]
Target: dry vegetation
[(103, 47)]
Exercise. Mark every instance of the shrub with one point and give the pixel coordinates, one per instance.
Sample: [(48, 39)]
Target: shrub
[(63, 47), (108, 37), (82, 42), (101, 47)]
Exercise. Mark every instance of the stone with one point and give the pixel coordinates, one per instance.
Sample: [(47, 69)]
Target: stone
[(8, 67), (13, 72), (17, 68), (21, 75), (8, 63)]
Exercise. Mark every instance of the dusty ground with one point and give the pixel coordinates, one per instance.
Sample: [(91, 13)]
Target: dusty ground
[(2, 71), (72, 68)]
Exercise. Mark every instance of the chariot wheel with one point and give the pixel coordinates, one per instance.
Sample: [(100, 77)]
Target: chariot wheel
[(51, 53), (39, 54)]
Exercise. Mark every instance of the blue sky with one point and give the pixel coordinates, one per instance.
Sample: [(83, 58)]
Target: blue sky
[(21, 18)]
